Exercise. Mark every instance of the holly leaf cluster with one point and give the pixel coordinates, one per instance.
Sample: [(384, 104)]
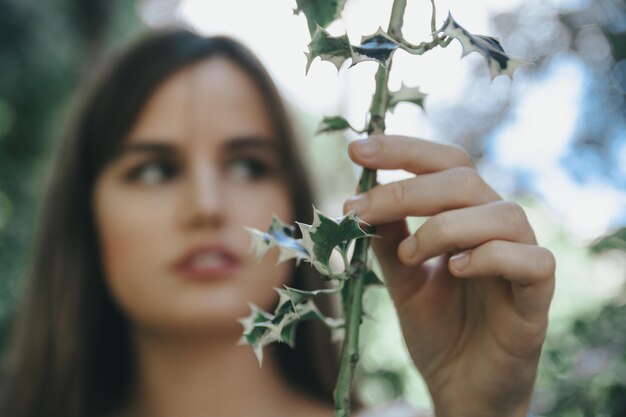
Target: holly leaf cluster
[(261, 328), (316, 246), (318, 241)]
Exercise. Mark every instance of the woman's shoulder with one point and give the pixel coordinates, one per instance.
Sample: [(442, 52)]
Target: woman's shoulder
[(395, 409)]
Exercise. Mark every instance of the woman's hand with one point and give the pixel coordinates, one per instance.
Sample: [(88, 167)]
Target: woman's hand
[(474, 320)]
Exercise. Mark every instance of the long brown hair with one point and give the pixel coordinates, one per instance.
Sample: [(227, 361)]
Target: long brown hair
[(70, 354)]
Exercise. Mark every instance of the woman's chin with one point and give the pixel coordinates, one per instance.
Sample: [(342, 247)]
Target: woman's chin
[(193, 328)]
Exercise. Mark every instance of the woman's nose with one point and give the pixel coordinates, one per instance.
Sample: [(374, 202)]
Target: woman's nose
[(202, 205)]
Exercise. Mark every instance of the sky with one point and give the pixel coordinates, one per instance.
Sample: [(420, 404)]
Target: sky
[(529, 146)]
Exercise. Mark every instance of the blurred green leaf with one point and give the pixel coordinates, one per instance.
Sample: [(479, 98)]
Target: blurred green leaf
[(45, 47), (334, 49), (408, 95), (319, 12), (615, 240), (334, 124), (618, 45)]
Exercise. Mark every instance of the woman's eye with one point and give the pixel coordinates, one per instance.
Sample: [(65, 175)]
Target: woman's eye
[(249, 169), (153, 172)]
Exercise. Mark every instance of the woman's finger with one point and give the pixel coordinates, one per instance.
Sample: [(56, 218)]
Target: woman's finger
[(466, 228), (402, 280), (424, 195), (529, 268), (401, 152)]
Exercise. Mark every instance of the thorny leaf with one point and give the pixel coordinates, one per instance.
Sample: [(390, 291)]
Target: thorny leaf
[(319, 12), (333, 124), (281, 235), (613, 241), (253, 335), (497, 60), (321, 238), (261, 242), (289, 297), (335, 49), (408, 94), (376, 47)]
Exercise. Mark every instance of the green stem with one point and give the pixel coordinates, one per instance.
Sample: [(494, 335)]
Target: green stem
[(424, 46), (433, 17), (358, 264), (396, 19)]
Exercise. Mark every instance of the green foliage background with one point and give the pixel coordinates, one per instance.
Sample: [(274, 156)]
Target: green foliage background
[(45, 48)]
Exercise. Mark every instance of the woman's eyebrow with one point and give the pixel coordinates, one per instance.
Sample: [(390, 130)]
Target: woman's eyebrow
[(235, 145), (146, 147), (252, 143)]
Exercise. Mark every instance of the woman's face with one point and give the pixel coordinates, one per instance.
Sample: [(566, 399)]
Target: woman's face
[(200, 163)]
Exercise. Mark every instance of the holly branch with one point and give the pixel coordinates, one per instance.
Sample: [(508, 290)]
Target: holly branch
[(327, 235)]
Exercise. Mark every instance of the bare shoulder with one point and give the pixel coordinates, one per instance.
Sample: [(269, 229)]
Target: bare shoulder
[(395, 409)]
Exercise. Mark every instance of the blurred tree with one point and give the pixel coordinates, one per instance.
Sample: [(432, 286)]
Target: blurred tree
[(583, 371), (45, 47), (612, 241), (592, 34), (599, 34)]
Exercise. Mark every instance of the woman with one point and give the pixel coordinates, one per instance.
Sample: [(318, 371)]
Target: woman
[(142, 266)]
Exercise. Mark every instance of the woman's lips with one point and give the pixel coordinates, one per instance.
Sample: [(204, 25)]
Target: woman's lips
[(207, 263)]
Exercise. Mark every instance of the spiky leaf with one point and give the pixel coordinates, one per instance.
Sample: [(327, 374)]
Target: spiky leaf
[(334, 124), (335, 49), (253, 334), (290, 297), (613, 241), (321, 238), (497, 60), (376, 47), (407, 94), (319, 12), (261, 242), (281, 235)]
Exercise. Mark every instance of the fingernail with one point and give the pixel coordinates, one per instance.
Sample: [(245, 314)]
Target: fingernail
[(460, 261), (409, 247), (367, 147), (357, 203)]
